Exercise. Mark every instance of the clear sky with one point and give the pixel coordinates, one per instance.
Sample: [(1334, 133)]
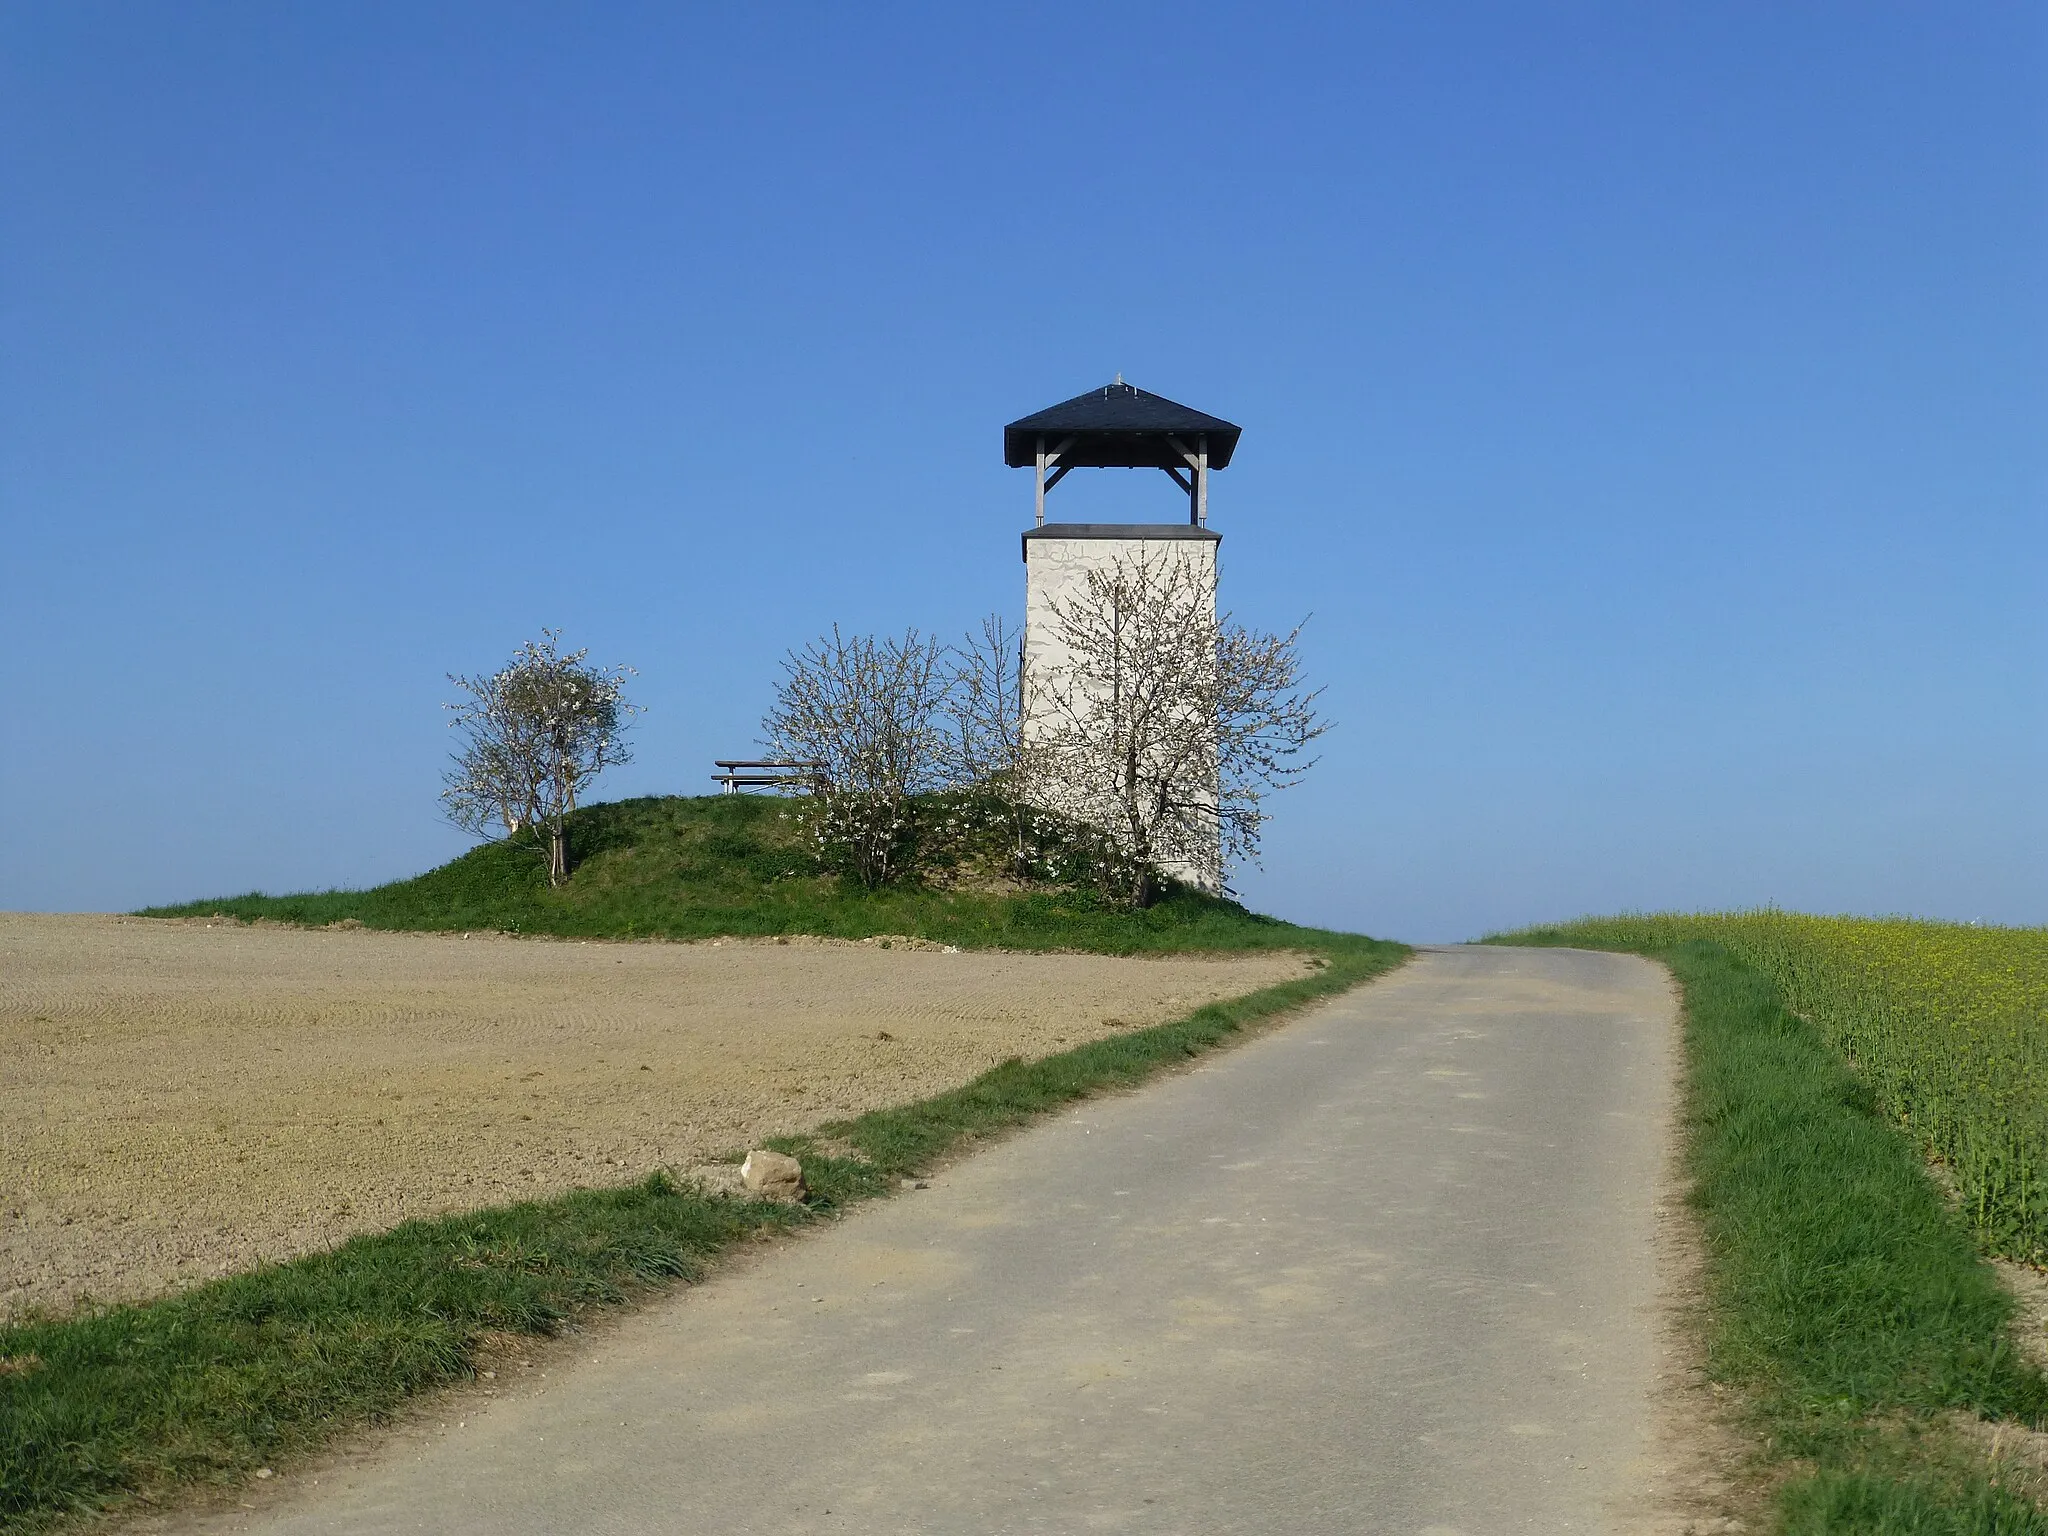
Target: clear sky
[(1649, 403)]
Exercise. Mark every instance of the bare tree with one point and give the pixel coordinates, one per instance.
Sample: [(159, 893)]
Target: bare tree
[(987, 705), (537, 731), (986, 752), (1163, 723), (868, 709)]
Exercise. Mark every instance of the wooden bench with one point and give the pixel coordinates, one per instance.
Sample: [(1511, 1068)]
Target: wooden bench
[(737, 775)]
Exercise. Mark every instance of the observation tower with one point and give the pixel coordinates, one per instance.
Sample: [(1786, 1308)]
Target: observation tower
[(1118, 426)]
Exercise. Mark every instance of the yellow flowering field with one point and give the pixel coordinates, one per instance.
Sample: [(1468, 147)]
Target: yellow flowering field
[(1947, 1022)]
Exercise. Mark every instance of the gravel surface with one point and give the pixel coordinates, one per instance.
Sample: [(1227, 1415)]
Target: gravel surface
[(179, 1099)]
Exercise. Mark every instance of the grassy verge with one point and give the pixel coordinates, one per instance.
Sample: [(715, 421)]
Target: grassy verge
[(1848, 1304), (127, 1403), (719, 865)]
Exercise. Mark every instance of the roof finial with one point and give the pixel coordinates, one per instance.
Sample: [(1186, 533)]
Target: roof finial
[(1119, 377)]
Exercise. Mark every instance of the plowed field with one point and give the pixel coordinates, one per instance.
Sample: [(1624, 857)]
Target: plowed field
[(178, 1100)]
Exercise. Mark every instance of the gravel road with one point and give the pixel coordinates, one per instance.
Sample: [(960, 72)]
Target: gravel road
[(1386, 1269)]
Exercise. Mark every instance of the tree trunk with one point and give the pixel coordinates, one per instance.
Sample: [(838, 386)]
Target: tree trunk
[(1143, 889), (558, 855)]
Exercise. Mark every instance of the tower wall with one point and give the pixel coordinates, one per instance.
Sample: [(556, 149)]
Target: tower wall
[(1057, 561)]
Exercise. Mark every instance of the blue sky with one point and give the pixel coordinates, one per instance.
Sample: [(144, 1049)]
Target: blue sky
[(1648, 403)]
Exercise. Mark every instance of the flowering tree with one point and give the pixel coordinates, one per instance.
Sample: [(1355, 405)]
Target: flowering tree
[(1163, 724), (536, 732), (869, 711)]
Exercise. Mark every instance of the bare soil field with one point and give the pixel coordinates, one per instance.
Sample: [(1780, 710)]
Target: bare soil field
[(179, 1099)]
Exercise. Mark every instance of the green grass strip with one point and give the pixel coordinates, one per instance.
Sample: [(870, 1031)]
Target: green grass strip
[(1847, 1301), (895, 1143), (206, 1385), (1896, 1503)]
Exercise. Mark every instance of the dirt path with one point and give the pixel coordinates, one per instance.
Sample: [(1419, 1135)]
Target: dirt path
[(1389, 1268), (178, 1100)]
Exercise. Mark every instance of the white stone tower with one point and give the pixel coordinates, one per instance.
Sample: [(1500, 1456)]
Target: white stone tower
[(1118, 426)]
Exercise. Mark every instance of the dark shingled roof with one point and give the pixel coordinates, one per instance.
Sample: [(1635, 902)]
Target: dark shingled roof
[(1118, 426)]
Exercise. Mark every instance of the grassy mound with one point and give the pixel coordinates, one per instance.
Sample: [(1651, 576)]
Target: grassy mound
[(719, 865)]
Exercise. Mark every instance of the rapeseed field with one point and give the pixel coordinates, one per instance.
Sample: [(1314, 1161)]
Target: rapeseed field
[(1946, 1022)]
